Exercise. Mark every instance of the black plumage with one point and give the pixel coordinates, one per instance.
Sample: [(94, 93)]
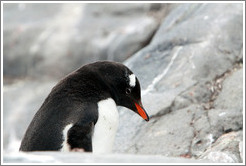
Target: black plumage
[(74, 100)]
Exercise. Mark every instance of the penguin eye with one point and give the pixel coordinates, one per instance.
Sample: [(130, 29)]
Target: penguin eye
[(128, 91)]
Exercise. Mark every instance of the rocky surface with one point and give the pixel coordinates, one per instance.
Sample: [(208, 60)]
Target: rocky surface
[(37, 36), (227, 149), (191, 73)]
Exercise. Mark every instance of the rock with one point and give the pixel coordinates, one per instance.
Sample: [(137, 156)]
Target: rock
[(203, 138), (199, 93), (225, 149), (232, 92), (224, 121), (195, 45), (192, 47), (37, 36), (241, 150), (154, 138), (176, 48)]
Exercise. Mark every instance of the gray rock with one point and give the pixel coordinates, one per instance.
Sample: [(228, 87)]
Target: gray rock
[(232, 92), (225, 149), (211, 124), (203, 138), (198, 93), (37, 36), (224, 121), (241, 146), (169, 135), (186, 45), (195, 44)]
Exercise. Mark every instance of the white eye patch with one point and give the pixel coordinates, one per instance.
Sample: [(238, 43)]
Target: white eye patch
[(132, 80)]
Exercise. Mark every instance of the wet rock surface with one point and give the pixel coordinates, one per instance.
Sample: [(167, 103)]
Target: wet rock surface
[(190, 70)]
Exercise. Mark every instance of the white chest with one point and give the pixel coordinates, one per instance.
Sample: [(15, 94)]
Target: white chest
[(106, 127)]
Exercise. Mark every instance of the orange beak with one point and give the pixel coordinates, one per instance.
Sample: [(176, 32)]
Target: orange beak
[(141, 111)]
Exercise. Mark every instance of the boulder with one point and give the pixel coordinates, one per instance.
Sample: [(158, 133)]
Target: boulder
[(36, 36), (195, 44), (232, 92), (225, 149)]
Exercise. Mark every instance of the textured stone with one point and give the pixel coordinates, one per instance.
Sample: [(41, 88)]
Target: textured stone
[(203, 137), (232, 92), (169, 135), (36, 36), (195, 44), (224, 121), (225, 149)]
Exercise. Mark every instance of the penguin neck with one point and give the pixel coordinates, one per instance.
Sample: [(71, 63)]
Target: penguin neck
[(106, 126)]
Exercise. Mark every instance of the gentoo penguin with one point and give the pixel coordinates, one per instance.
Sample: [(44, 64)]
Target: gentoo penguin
[(80, 112)]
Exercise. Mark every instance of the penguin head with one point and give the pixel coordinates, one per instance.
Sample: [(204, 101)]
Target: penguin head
[(124, 86), (130, 95)]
